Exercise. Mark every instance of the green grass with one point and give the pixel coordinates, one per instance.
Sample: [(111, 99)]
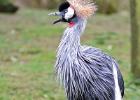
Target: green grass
[(28, 43)]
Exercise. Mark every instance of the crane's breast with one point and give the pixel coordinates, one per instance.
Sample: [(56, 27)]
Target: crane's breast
[(89, 76)]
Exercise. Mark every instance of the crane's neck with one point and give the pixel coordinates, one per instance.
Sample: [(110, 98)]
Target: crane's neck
[(70, 42)]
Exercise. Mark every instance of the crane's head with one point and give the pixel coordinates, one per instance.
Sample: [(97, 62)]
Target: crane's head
[(66, 13), (71, 10)]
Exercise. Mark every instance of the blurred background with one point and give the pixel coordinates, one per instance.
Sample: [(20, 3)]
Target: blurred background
[(28, 43)]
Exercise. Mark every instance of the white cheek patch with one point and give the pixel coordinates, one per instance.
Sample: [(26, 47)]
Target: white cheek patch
[(69, 14)]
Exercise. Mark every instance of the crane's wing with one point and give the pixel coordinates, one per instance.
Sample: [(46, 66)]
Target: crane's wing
[(120, 80), (96, 53)]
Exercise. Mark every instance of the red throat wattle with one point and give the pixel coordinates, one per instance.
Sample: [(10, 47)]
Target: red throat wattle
[(71, 24)]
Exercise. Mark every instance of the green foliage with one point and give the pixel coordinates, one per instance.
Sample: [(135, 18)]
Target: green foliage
[(108, 6), (4, 2), (6, 6), (53, 4)]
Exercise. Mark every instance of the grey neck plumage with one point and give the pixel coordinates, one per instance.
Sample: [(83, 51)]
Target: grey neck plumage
[(69, 48), (70, 42)]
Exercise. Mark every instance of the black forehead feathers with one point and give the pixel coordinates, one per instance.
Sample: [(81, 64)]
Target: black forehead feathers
[(63, 6)]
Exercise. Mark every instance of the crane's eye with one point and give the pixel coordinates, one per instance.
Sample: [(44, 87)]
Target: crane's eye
[(69, 13), (65, 11)]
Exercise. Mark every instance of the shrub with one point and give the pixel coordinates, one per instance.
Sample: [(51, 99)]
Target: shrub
[(4, 2), (7, 7), (107, 6)]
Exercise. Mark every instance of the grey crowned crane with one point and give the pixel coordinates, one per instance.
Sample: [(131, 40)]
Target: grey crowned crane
[(86, 72)]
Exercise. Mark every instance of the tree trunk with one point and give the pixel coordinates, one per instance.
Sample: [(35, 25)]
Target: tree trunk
[(135, 39)]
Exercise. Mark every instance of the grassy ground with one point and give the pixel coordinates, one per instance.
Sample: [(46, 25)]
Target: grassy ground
[(28, 43)]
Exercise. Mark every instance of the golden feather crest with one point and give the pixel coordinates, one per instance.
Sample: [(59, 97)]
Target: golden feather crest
[(83, 8)]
